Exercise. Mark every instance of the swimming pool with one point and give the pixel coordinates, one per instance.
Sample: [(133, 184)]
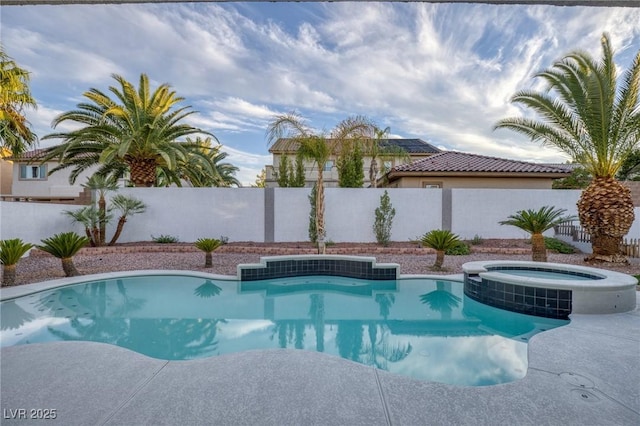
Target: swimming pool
[(423, 328)]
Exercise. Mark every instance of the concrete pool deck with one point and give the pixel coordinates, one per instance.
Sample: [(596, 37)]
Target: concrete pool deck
[(585, 373)]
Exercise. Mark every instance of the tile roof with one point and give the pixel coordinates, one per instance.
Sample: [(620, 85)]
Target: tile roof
[(451, 161), (29, 155), (411, 146)]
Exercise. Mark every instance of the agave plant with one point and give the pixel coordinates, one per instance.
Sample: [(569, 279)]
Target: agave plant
[(535, 222), (11, 251), (440, 240), (208, 245), (64, 246)]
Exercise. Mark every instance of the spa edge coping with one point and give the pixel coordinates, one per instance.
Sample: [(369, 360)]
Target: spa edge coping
[(608, 280)]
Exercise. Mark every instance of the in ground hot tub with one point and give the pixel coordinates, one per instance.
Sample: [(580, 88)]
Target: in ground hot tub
[(551, 290)]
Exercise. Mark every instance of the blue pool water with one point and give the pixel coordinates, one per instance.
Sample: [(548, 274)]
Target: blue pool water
[(423, 328)]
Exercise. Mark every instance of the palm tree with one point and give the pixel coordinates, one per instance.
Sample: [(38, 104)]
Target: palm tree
[(378, 148), (440, 240), (90, 218), (128, 206), (441, 300), (101, 184), (585, 114), (536, 222), (64, 246), (136, 132), (318, 148), (11, 251), (208, 245), (15, 135)]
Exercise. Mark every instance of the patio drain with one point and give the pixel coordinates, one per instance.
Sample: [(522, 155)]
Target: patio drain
[(577, 380), (585, 396)]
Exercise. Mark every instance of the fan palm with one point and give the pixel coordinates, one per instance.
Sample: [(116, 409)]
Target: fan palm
[(64, 246), (208, 245), (101, 184), (535, 222), (136, 132), (440, 240), (318, 148), (378, 148), (585, 114), (11, 251), (128, 206), (15, 135)]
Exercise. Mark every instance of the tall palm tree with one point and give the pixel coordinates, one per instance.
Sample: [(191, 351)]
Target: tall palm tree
[(378, 148), (536, 222), (318, 148), (15, 96), (201, 167), (137, 131), (587, 115)]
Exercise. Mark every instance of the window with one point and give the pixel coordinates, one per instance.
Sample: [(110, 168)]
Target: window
[(328, 166), (29, 172), (431, 185)]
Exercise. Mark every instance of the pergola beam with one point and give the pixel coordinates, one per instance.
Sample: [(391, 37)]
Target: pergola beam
[(600, 3)]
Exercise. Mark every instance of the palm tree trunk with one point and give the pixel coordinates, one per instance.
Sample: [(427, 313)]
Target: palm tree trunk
[(320, 211), (373, 173), (8, 275), (87, 232), (102, 214), (439, 259), (538, 248), (69, 268), (116, 235), (208, 261), (607, 248)]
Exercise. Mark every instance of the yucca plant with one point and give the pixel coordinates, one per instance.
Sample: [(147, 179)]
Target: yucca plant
[(535, 222), (440, 240), (208, 245), (11, 251), (64, 246)]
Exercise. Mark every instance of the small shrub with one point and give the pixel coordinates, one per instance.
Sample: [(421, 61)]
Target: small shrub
[(459, 249), (477, 240), (11, 251), (208, 245), (384, 219), (165, 239), (64, 246), (440, 240), (558, 246)]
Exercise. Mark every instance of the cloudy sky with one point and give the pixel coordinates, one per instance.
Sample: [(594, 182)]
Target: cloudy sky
[(440, 72)]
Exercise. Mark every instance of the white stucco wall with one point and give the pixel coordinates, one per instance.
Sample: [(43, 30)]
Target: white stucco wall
[(478, 211), (34, 221), (239, 213), (192, 213)]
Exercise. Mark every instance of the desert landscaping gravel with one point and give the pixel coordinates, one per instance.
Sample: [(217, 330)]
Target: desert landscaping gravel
[(44, 267)]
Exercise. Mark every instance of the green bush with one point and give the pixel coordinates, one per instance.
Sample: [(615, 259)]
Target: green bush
[(558, 246), (165, 239), (459, 249), (384, 219), (477, 240), (64, 246)]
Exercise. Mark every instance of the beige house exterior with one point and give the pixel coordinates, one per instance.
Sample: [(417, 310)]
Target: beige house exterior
[(30, 180), (415, 149), (451, 169)]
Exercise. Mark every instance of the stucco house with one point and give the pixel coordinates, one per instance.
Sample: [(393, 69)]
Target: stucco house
[(415, 149), (31, 180), (450, 169)]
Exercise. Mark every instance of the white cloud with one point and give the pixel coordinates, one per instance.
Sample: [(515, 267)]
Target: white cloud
[(443, 73)]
